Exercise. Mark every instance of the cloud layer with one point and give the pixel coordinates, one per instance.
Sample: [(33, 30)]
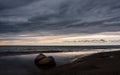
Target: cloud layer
[(78, 16), (58, 17)]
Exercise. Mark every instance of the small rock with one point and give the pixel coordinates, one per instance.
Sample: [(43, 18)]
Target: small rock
[(44, 62), (39, 57)]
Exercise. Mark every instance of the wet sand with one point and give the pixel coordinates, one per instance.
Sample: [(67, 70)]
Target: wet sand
[(24, 64), (68, 63), (106, 63)]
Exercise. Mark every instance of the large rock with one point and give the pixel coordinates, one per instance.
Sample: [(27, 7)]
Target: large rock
[(44, 62)]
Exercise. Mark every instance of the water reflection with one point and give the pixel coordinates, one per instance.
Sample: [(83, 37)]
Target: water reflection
[(24, 64)]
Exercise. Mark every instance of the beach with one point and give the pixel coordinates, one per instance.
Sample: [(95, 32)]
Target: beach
[(68, 63), (59, 37), (105, 63), (23, 64)]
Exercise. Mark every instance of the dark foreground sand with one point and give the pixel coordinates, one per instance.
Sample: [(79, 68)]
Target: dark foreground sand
[(107, 63)]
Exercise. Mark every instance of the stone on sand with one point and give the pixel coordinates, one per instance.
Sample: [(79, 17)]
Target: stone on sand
[(45, 62)]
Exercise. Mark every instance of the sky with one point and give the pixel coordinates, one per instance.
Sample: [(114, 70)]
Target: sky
[(59, 22)]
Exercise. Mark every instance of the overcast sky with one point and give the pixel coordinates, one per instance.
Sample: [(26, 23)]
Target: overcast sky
[(42, 22)]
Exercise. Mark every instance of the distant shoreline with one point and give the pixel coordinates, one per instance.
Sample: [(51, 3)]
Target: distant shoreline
[(57, 45)]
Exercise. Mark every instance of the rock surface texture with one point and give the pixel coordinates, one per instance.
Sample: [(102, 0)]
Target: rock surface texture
[(44, 62)]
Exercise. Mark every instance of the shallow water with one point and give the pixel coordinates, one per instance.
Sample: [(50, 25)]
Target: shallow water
[(24, 64)]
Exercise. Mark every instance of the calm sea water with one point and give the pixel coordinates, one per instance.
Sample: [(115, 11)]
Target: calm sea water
[(54, 48)]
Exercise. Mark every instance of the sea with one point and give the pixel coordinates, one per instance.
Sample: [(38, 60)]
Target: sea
[(14, 50), (19, 60), (55, 48)]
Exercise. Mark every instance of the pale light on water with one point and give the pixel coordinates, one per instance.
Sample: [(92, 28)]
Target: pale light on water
[(24, 64)]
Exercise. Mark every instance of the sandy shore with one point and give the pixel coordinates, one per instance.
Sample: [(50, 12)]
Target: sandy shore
[(91, 63), (23, 64), (106, 63)]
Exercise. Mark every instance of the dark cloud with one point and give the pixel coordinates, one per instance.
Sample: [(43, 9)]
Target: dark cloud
[(59, 17), (9, 4)]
